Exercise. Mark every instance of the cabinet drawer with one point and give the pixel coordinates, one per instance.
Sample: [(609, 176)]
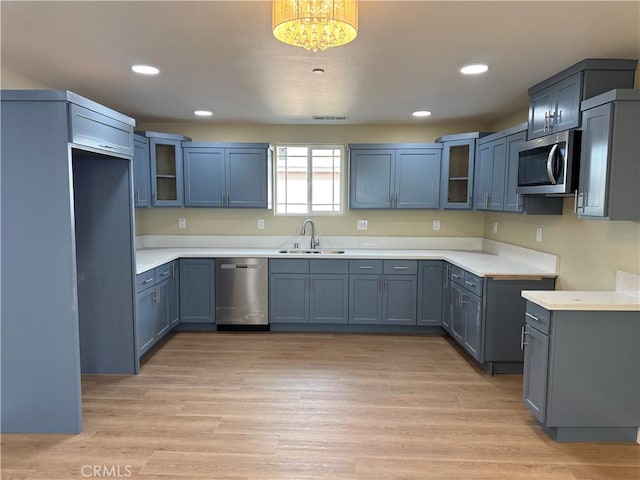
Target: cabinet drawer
[(538, 317), (401, 267), (164, 272), (365, 267), (329, 266), (99, 131), (288, 265), (473, 283), (457, 275), (145, 280)]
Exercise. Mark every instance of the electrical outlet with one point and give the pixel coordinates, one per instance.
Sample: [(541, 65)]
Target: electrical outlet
[(182, 223), (494, 227), (261, 224), (538, 234), (436, 224), (363, 224)]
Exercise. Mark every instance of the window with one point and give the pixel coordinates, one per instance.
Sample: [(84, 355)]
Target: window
[(308, 179)]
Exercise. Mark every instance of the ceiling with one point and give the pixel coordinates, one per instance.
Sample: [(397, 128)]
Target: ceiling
[(221, 56)]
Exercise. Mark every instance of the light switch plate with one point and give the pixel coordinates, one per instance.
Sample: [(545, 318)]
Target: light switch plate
[(182, 223), (538, 234), (261, 224), (363, 224), (436, 224), (494, 227)]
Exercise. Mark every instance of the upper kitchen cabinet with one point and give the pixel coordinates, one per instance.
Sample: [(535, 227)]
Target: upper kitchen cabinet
[(141, 172), (490, 174), (609, 167), (386, 176), (236, 175), (458, 159), (554, 104), (165, 159)]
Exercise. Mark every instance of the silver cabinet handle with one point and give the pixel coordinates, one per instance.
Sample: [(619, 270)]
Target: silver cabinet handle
[(469, 283), (147, 280), (364, 267), (546, 121), (522, 334), (454, 275), (167, 272), (532, 316), (400, 268)]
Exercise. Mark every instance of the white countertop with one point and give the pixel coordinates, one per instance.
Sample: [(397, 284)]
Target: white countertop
[(584, 300), (479, 263)]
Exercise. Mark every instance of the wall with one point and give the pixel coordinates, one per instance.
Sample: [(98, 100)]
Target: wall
[(14, 81)]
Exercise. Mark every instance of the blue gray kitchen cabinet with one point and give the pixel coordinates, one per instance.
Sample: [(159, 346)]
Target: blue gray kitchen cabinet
[(146, 312), (609, 167), (458, 160), (235, 175), (431, 290), (490, 175), (385, 176), (197, 292), (141, 172), (446, 298), (165, 160), (71, 177), (582, 373), (308, 291), (512, 201), (486, 317), (383, 292), (554, 104)]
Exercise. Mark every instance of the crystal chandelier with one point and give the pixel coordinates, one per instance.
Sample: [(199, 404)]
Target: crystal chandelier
[(315, 24)]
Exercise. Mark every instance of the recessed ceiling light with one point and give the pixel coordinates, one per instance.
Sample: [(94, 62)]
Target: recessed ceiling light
[(318, 71), (474, 69), (203, 113), (421, 113), (145, 69)]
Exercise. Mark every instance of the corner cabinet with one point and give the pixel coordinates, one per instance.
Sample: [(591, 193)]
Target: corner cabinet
[(390, 176), (554, 104), (581, 373), (165, 160), (430, 288), (609, 167), (458, 160), (235, 175)]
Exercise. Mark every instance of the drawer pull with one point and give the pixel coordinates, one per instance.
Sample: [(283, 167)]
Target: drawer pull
[(469, 283), (400, 268), (532, 316), (454, 275), (148, 280), (167, 272), (108, 147), (365, 267)]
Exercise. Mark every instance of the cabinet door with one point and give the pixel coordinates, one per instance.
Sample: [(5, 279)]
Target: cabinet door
[(141, 173), (365, 299), (145, 312), (289, 298), (534, 378), (456, 188), (473, 325), (197, 292), (430, 288), (446, 299), (329, 299), (511, 201), (490, 175), (246, 177), (567, 103), (204, 177), (173, 294), (540, 105), (417, 179), (594, 161), (165, 157), (371, 175), (162, 321), (399, 300), (457, 312)]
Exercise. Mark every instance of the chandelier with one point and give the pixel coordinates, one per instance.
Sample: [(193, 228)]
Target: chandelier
[(315, 24)]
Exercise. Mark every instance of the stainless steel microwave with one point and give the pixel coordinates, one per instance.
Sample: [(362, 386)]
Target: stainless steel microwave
[(549, 165)]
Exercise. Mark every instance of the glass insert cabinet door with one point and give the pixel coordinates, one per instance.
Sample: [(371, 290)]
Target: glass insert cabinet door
[(166, 172), (457, 177)]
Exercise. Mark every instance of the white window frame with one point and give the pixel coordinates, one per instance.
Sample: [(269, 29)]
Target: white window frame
[(342, 187)]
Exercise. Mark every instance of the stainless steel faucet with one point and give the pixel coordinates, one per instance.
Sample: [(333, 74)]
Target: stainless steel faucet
[(314, 241)]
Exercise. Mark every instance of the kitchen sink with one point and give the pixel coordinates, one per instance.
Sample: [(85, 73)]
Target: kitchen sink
[(303, 251)]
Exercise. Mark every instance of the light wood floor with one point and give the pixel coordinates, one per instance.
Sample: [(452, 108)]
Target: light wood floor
[(272, 406)]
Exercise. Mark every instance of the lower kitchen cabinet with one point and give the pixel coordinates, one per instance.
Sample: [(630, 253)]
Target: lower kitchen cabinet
[(582, 373), (446, 297), (156, 305), (431, 288), (486, 316), (308, 291), (383, 292), (197, 293)]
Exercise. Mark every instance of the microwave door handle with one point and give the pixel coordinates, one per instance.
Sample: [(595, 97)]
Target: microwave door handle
[(550, 159)]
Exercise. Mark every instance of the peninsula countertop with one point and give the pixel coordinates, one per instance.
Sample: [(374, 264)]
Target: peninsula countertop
[(584, 300), (477, 262)]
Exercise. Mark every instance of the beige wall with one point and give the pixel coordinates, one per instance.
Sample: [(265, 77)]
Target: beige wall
[(12, 80)]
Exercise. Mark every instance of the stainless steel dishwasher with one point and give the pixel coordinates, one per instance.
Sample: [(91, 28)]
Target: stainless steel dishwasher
[(242, 293)]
